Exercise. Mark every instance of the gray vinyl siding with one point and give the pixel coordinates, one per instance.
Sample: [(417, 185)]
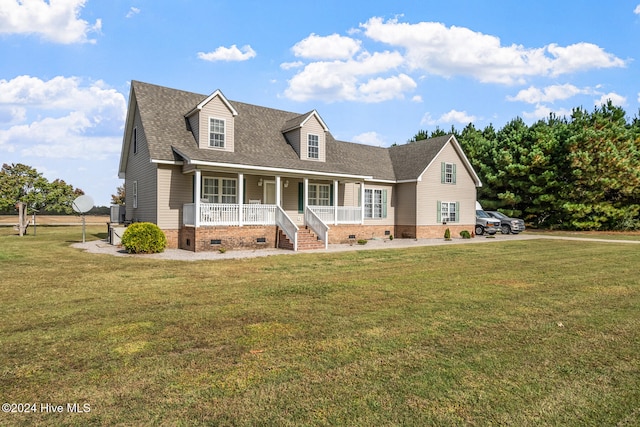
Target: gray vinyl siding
[(194, 123), (218, 110), (406, 203), (174, 190), (430, 190), (293, 138), (140, 169)]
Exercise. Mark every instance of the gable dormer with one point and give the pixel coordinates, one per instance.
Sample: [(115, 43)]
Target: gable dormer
[(307, 136), (212, 123)]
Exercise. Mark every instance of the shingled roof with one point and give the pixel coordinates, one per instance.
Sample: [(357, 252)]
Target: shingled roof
[(259, 140)]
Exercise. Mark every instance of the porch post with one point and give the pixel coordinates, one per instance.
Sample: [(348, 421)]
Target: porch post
[(305, 196), (278, 190), (240, 198), (196, 197), (362, 202), (335, 201)]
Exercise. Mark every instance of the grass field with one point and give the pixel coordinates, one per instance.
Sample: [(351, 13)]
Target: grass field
[(527, 333)]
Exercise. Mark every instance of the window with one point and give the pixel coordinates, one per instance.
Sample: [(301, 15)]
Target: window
[(448, 212), (375, 203), (319, 195), (448, 173), (216, 133), (135, 140), (135, 194), (219, 190), (313, 146)]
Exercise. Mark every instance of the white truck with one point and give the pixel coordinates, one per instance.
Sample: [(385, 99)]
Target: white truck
[(485, 223)]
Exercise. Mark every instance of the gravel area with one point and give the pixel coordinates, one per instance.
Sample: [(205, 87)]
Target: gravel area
[(103, 247)]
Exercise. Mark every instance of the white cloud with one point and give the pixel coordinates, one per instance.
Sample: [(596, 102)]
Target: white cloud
[(450, 51), (543, 112), (55, 21), (615, 98), (369, 138), (452, 116), (229, 54), (132, 12), (637, 10), (327, 47), (533, 95), (417, 98), (342, 80), (291, 65), (61, 118), (638, 97), (580, 56)]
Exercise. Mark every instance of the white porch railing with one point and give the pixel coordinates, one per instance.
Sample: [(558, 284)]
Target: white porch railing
[(229, 214), (288, 226), (317, 225), (346, 214)]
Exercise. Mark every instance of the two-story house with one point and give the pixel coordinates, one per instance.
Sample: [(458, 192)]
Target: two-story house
[(214, 173)]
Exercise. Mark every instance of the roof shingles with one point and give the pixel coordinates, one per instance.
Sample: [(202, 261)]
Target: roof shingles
[(259, 141)]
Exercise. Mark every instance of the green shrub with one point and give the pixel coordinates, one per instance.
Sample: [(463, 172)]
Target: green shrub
[(362, 242), (144, 238), (447, 234), (465, 234), (391, 237)]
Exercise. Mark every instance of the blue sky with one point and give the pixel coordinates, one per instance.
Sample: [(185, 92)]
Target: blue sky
[(376, 71)]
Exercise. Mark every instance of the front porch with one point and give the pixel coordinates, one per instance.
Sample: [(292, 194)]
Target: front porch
[(288, 204)]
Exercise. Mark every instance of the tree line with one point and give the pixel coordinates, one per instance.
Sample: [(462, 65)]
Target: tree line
[(580, 172)]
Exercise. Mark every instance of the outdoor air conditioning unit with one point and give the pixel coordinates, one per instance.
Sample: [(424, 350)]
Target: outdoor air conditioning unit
[(117, 214)]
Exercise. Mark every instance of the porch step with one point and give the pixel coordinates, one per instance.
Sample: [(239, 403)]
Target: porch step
[(307, 239)]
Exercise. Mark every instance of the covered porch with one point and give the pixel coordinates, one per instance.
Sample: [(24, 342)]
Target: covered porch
[(288, 202)]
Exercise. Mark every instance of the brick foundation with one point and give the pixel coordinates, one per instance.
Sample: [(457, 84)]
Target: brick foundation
[(213, 238), (343, 233)]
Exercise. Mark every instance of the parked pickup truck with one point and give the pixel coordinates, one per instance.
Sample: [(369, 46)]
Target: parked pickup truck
[(508, 225), (485, 223)]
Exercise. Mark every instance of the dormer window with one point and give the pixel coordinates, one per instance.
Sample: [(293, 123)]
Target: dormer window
[(216, 133), (313, 146)]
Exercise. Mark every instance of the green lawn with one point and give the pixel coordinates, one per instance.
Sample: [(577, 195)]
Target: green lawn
[(527, 333)]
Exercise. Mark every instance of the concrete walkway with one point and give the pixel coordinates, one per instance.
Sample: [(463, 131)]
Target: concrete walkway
[(103, 247)]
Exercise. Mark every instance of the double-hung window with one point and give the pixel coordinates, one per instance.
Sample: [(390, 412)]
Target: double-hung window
[(216, 133), (313, 146), (375, 203), (319, 195), (448, 212), (448, 175), (219, 190)]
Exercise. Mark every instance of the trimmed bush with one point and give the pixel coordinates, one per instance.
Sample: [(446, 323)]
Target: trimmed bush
[(362, 241), (447, 234), (465, 234), (144, 238)]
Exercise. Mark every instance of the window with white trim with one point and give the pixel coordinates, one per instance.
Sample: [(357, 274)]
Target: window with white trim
[(319, 195), (448, 173), (313, 146), (216, 133), (375, 203), (448, 211), (219, 190)]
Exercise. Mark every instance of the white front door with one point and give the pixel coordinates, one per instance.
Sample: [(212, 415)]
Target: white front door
[(269, 192)]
